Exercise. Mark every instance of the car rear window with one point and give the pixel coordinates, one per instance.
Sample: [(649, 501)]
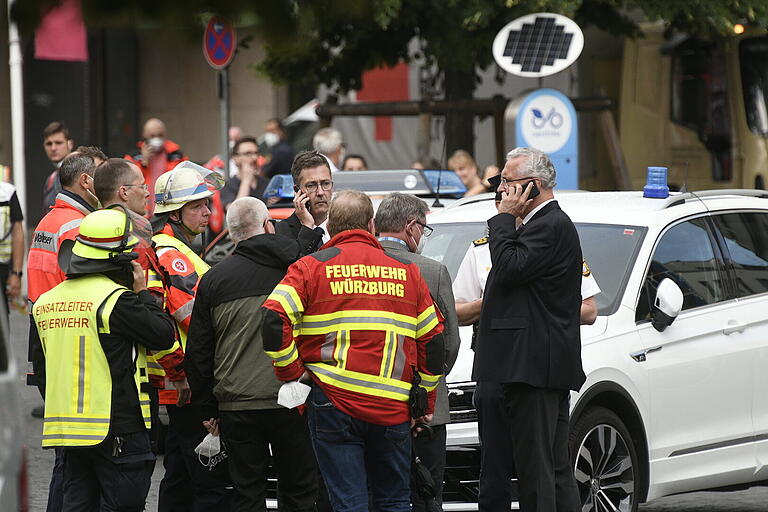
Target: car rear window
[(746, 237)]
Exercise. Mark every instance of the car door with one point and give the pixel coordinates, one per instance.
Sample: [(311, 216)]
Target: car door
[(744, 237), (700, 379)]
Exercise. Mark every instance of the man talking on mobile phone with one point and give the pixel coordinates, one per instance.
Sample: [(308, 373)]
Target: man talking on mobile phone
[(528, 339), (313, 189)]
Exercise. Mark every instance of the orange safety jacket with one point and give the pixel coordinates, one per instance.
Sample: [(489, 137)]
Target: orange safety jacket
[(61, 223), (182, 270), (174, 156), (361, 322)]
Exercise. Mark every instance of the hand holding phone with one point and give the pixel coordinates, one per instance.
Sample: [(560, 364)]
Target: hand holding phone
[(534, 190), (302, 207)]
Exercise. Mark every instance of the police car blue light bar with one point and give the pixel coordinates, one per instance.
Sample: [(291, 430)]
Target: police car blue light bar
[(445, 183), (656, 183), (280, 186)]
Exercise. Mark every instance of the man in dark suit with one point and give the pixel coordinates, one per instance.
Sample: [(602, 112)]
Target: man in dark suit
[(313, 188), (401, 220), (529, 337)]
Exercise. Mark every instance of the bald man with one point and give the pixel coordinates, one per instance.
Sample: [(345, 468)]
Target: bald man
[(157, 154)]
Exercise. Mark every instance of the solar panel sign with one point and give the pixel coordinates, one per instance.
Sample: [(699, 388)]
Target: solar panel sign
[(538, 45)]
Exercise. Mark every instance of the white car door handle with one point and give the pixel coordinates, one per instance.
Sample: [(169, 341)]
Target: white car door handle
[(642, 355), (733, 327)]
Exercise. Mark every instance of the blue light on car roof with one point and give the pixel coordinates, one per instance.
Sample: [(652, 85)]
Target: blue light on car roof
[(280, 186), (449, 183), (656, 183)]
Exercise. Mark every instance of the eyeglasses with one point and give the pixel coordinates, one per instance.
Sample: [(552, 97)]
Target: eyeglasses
[(143, 186), (249, 154), (427, 230), (312, 185), (505, 181)]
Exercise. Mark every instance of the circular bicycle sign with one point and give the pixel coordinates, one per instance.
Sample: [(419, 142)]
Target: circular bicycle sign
[(219, 43)]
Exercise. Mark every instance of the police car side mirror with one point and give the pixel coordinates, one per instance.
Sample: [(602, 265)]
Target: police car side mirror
[(667, 304)]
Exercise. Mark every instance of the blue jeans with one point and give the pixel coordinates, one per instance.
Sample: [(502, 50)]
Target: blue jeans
[(345, 446)]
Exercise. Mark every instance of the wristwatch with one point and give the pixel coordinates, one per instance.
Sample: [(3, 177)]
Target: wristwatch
[(17, 273)]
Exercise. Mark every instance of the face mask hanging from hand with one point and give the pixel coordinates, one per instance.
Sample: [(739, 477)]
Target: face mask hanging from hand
[(209, 451)]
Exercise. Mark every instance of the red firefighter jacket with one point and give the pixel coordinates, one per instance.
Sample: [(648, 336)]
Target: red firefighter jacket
[(182, 270), (61, 223), (360, 321)]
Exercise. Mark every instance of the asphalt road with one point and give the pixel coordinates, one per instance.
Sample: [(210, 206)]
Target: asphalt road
[(40, 461)]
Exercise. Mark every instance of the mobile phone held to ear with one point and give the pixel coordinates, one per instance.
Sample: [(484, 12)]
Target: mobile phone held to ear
[(308, 206), (534, 190)]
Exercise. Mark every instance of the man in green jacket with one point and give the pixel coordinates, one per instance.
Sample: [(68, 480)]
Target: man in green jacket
[(228, 370)]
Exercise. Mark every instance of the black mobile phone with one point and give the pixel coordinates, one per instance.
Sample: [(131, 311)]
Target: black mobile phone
[(309, 206), (534, 190)]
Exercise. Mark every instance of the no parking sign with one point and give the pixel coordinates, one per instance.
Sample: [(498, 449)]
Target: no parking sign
[(219, 43)]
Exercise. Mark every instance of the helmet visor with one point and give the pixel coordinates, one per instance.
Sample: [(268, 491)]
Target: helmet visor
[(183, 186)]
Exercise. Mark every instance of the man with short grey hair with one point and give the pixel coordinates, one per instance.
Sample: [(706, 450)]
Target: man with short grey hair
[(246, 218), (402, 224), (330, 143), (528, 339), (230, 375)]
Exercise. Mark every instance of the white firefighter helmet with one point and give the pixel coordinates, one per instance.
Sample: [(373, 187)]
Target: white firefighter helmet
[(185, 183)]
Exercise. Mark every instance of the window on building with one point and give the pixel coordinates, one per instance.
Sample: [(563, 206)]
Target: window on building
[(700, 100)]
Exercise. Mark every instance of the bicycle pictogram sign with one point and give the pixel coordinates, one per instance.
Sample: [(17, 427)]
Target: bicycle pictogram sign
[(219, 43), (553, 118)]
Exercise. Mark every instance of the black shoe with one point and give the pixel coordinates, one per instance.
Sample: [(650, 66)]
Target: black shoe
[(38, 412)]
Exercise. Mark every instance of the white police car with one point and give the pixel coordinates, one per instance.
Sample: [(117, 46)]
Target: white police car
[(676, 396)]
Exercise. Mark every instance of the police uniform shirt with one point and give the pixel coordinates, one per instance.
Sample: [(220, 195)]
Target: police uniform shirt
[(476, 265)]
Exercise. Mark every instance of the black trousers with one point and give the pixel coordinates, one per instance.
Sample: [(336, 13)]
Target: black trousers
[(56, 487), (248, 436), (188, 486), (538, 434), (432, 455), (99, 479), (496, 457)]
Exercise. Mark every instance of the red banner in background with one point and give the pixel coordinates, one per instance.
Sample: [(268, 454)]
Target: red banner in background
[(385, 84), (62, 34)]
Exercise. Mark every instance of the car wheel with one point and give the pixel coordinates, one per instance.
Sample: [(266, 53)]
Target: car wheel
[(605, 462)]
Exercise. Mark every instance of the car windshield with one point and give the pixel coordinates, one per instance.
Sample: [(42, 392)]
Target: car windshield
[(609, 249), (754, 81)]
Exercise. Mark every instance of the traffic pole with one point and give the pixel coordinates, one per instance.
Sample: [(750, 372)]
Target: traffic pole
[(15, 63), (224, 114)]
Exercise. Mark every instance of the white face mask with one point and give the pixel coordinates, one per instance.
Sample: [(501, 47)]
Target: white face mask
[(209, 451), (271, 139), (156, 142), (98, 203), (420, 245)]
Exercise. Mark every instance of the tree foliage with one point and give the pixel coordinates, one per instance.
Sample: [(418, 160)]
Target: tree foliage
[(334, 41)]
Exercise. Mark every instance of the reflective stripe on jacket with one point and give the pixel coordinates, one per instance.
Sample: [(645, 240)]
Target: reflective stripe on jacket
[(78, 400)]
